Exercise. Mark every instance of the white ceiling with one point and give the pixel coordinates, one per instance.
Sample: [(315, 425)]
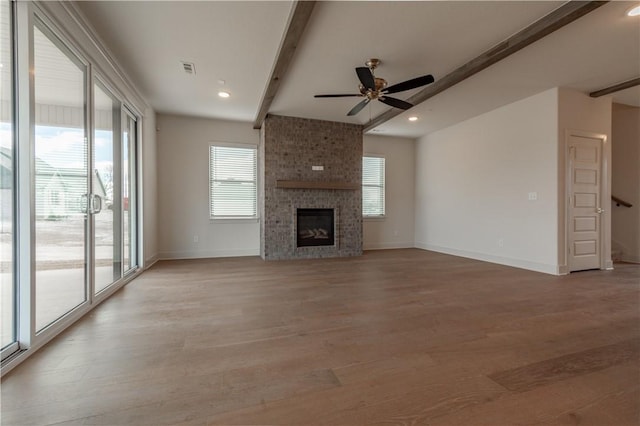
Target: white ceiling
[(238, 41), (231, 41)]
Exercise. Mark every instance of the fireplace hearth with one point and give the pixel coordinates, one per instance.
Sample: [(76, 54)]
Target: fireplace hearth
[(315, 227)]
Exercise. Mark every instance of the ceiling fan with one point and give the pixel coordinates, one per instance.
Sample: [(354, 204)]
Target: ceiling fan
[(372, 87)]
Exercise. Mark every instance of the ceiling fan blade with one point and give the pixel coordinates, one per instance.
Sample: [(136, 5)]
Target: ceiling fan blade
[(410, 84), (356, 109), (366, 77), (337, 96), (397, 103)]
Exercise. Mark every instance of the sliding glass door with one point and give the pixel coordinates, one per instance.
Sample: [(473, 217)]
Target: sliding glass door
[(85, 187), (60, 177), (107, 187)]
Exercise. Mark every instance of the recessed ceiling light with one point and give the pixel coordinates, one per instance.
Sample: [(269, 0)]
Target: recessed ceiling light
[(413, 118), (634, 12), (224, 94)]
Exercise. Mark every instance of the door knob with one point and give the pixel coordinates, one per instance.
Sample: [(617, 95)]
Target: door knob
[(599, 210)]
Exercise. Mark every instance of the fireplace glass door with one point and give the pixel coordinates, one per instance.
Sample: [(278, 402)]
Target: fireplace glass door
[(315, 227)]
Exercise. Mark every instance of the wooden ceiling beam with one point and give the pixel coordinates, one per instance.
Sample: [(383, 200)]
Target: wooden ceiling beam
[(616, 87), (298, 19), (555, 20)]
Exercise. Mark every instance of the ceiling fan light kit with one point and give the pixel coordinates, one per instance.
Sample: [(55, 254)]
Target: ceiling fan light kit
[(372, 88)]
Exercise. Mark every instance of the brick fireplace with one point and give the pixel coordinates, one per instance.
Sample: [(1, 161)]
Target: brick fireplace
[(310, 165)]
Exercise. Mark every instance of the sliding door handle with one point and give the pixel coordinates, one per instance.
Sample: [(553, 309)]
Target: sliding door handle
[(96, 204)]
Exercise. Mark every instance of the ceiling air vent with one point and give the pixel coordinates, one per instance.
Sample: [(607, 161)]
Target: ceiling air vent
[(189, 67)]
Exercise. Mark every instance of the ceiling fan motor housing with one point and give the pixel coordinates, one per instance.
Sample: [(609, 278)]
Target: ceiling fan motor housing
[(380, 83)]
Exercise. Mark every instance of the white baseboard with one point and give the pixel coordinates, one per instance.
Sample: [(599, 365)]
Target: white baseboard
[(630, 258), (625, 255), (149, 262), (386, 246), (200, 254), (517, 263)]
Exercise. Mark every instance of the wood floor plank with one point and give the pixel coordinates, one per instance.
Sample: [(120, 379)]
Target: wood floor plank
[(620, 409), (545, 404), (363, 371), (541, 373), (500, 351), (383, 396)]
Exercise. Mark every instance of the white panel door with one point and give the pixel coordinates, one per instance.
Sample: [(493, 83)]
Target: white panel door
[(585, 165)]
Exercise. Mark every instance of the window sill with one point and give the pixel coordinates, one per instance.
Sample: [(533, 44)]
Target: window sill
[(234, 220), (374, 218)]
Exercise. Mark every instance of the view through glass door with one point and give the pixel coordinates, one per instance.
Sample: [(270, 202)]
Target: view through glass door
[(107, 186), (61, 178)]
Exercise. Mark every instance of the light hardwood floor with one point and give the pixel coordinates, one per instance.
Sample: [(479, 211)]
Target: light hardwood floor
[(393, 337)]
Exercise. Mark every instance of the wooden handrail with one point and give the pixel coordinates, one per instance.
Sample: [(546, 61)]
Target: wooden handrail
[(620, 202)]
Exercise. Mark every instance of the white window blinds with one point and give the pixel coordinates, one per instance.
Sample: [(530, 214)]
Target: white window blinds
[(373, 186), (232, 182)]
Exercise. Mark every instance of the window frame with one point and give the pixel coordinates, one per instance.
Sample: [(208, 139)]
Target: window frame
[(233, 218), (13, 346), (382, 185)]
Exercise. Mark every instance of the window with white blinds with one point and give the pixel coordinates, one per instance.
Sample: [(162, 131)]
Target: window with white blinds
[(232, 182), (373, 186)]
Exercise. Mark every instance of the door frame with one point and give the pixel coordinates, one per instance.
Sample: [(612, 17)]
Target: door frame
[(605, 195)]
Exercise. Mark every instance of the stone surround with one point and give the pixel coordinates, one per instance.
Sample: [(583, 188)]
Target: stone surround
[(289, 147)]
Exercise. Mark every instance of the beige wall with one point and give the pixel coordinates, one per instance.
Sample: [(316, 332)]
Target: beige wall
[(578, 111), (625, 142), (396, 230), (473, 181), (183, 190)]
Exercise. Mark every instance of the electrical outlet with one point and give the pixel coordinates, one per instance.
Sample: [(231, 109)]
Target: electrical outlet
[(533, 196), (500, 242), (195, 239)]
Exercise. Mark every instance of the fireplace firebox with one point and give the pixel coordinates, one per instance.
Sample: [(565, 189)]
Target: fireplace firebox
[(315, 227)]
